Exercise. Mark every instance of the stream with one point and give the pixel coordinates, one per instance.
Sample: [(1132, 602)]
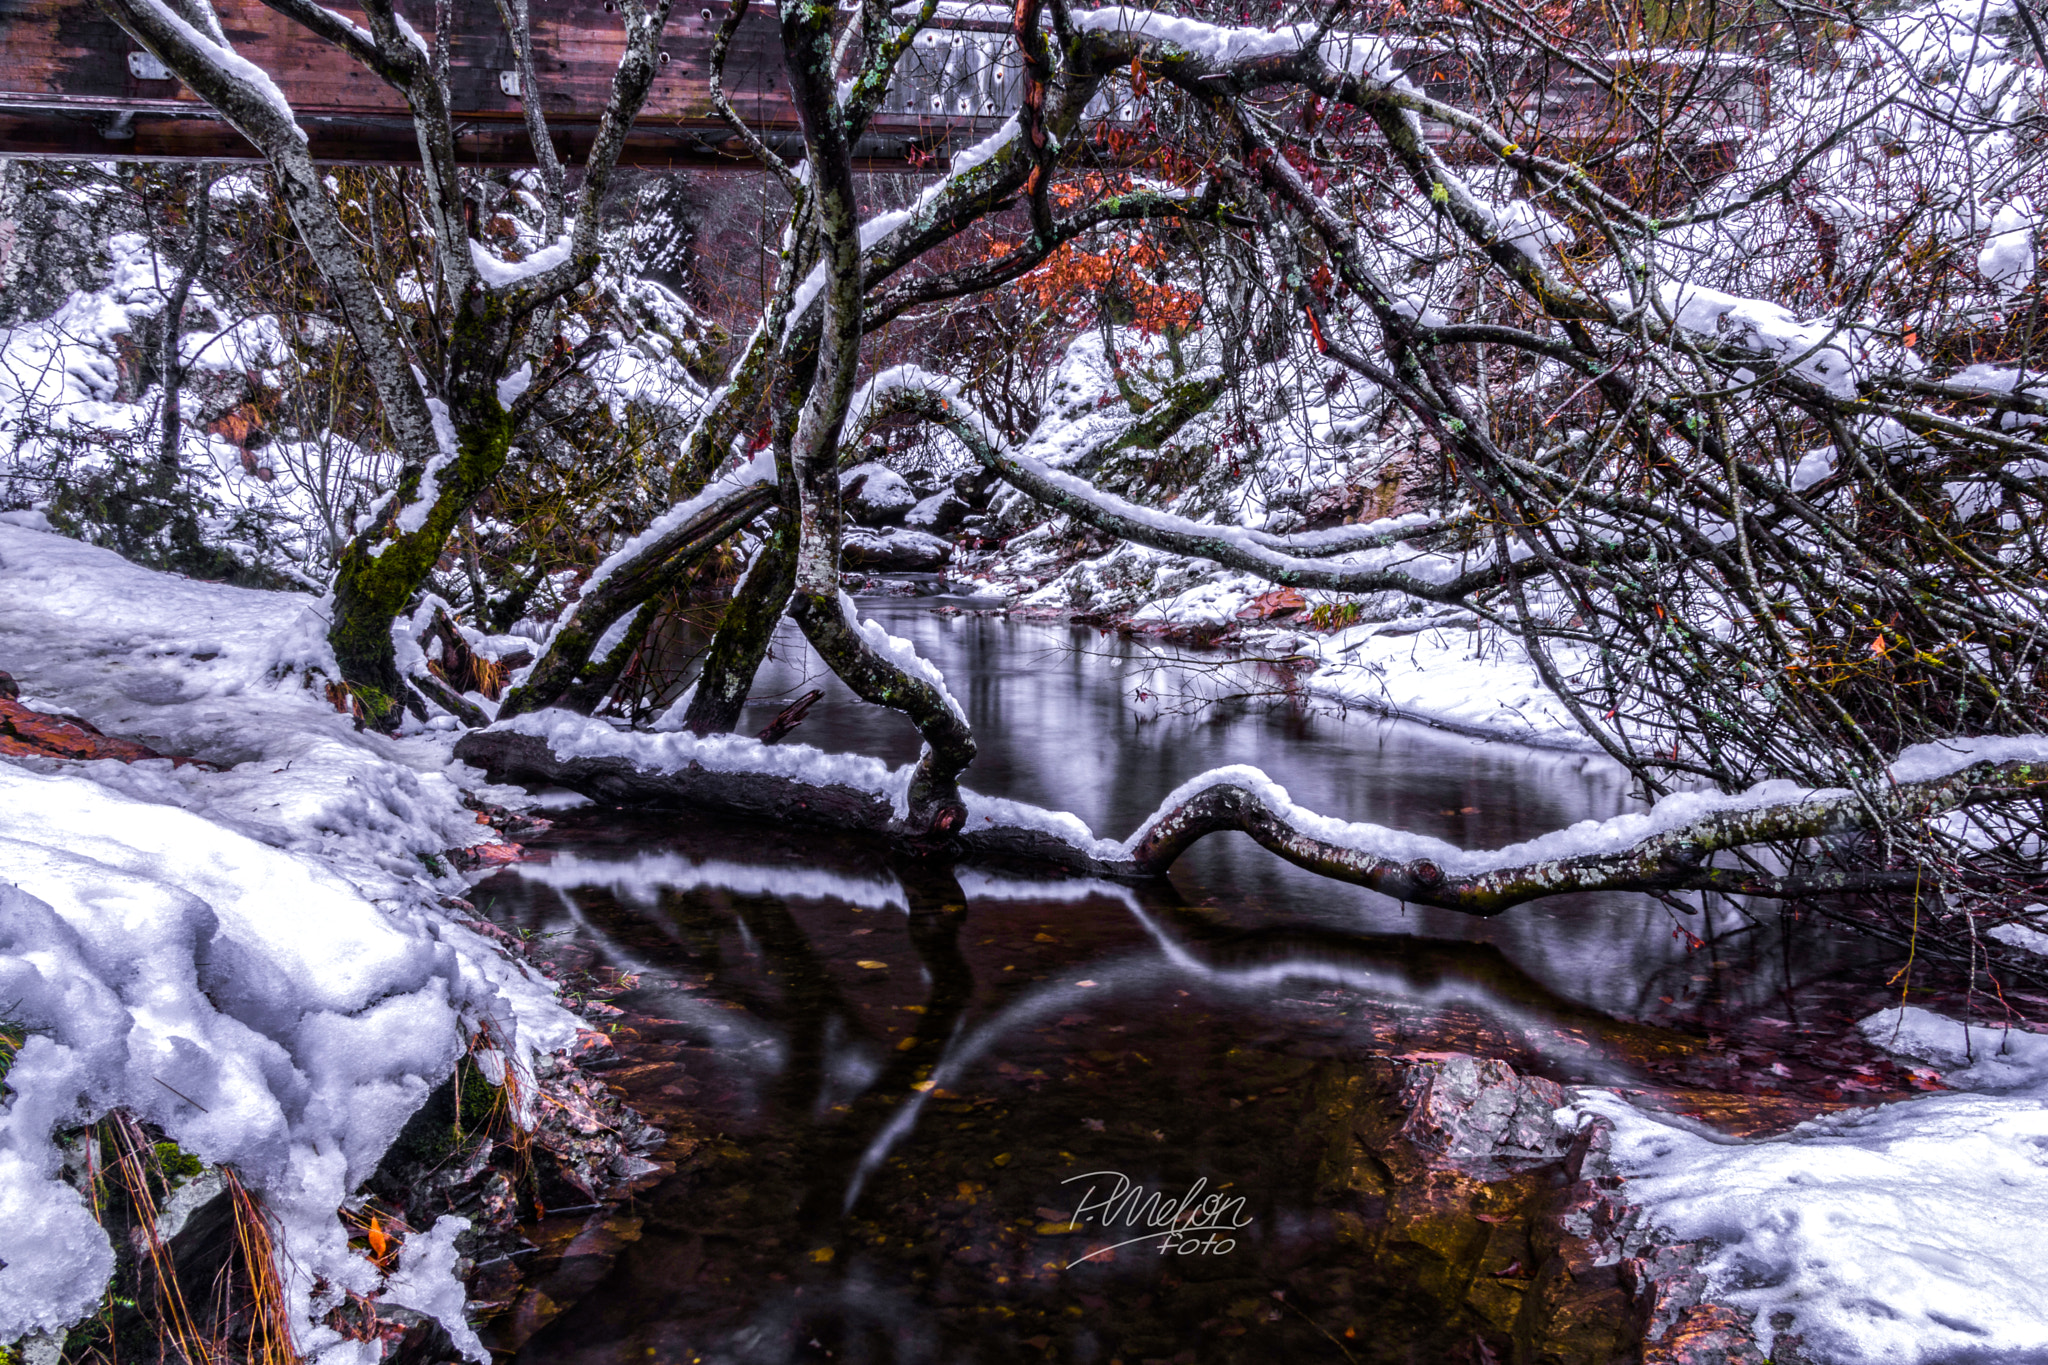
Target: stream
[(916, 1114)]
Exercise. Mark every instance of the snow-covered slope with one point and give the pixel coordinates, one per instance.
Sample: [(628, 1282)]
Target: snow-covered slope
[(252, 959)]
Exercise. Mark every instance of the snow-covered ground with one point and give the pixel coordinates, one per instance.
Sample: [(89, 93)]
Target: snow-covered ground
[(253, 959), (1905, 1234)]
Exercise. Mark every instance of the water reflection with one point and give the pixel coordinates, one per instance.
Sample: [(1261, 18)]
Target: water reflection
[(880, 1075), (1054, 730)]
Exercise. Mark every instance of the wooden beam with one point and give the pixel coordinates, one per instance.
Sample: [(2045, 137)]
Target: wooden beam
[(73, 85)]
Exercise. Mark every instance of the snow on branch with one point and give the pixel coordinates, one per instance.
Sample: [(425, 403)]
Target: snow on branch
[(1669, 847), (1368, 563)]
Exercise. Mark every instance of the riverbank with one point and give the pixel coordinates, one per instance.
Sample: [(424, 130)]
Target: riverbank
[(257, 965), (1386, 655), (268, 960)]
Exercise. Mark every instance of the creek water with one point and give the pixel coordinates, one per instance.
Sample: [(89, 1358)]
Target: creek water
[(893, 1090)]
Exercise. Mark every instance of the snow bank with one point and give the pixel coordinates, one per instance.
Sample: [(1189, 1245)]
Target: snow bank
[(252, 959), (1905, 1233), (2007, 259)]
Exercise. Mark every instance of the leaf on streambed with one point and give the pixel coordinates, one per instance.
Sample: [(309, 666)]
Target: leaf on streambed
[(870, 965)]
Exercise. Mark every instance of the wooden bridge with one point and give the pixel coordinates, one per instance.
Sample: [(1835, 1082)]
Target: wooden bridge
[(74, 85)]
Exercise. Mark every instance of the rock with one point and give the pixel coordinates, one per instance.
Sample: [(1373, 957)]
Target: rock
[(1480, 1115), (939, 513), (870, 585), (889, 550), (974, 486), (478, 857), (876, 495), (10, 690), (1477, 1204), (1274, 605)]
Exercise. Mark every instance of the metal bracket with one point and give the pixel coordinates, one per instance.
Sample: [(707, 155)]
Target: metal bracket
[(144, 66)]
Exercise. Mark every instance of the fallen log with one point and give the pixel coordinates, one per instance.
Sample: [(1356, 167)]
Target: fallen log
[(1670, 847)]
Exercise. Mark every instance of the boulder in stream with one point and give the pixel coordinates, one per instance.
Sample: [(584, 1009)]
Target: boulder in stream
[(876, 495), (1471, 1190), (892, 549), (941, 512)]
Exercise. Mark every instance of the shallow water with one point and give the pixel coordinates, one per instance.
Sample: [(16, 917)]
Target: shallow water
[(891, 1088)]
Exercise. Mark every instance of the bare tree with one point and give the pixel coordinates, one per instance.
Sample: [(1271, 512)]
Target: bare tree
[(452, 407), (1751, 472)]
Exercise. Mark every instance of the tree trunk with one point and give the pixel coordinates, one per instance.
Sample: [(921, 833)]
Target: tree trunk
[(743, 635)]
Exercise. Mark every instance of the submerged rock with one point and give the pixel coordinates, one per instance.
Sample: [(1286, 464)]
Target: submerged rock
[(1466, 1186)]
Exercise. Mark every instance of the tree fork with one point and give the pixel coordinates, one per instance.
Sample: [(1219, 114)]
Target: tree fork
[(741, 641)]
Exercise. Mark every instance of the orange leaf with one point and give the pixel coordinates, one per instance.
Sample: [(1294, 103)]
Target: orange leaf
[(380, 1245)]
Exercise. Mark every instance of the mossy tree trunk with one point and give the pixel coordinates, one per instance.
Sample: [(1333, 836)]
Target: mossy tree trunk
[(452, 424)]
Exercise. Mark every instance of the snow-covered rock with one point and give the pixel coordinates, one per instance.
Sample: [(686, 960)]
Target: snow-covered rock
[(892, 549), (876, 495), (1904, 1233), (941, 512)]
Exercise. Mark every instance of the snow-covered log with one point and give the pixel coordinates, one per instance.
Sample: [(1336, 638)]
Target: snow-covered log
[(1671, 847)]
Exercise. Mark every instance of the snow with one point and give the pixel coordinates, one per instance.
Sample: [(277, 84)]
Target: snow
[(1827, 352), (62, 413), (1905, 1233), (2020, 936), (1939, 758), (229, 62), (413, 515), (901, 653), (883, 491), (499, 273), (884, 223), (1588, 838), (253, 959), (760, 469), (2007, 259), (1529, 230), (571, 736), (426, 1282), (1220, 45), (915, 377)]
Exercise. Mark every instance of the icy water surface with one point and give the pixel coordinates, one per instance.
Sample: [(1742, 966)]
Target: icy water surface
[(904, 1102)]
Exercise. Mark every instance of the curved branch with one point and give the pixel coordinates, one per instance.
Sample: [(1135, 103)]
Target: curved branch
[(1233, 547), (721, 43), (1669, 856), (1670, 847)]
